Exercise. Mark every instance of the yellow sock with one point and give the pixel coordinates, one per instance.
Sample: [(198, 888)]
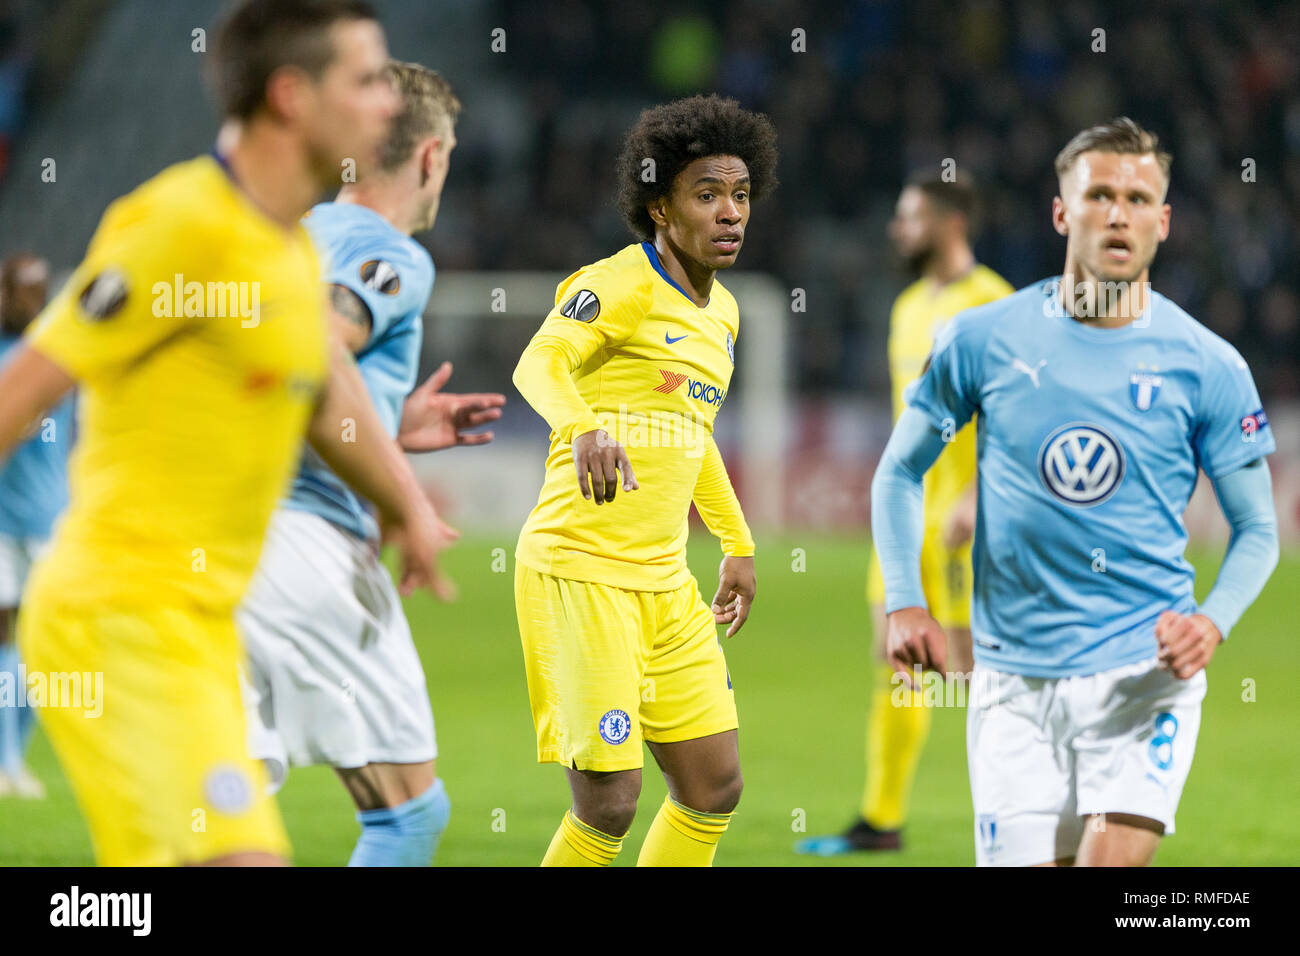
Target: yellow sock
[(895, 738), (681, 836), (576, 844)]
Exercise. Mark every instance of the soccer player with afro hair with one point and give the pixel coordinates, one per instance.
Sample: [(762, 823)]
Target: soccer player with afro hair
[(631, 365)]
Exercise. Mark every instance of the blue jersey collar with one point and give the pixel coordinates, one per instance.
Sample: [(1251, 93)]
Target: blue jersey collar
[(652, 254)]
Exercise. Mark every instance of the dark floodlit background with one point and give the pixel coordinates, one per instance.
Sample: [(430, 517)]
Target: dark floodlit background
[(112, 92)]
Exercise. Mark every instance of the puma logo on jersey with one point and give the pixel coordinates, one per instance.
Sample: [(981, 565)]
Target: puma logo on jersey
[(1020, 366)]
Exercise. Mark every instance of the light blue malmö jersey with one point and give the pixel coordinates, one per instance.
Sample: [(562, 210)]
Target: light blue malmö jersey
[(393, 275), (1088, 441), (34, 477)]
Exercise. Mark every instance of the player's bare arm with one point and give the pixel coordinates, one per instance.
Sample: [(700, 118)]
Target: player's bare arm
[(365, 457), (350, 317), (31, 383), (433, 419), (737, 585), (351, 324), (598, 460)]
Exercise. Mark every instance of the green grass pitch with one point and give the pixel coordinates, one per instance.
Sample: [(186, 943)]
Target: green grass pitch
[(800, 669)]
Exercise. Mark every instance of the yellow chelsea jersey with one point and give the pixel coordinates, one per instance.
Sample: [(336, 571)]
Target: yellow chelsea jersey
[(196, 329), (652, 368), (919, 313)]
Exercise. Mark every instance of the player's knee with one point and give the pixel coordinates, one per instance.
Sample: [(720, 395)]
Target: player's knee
[(606, 801), (727, 796), (719, 794), (1119, 839), (612, 814)]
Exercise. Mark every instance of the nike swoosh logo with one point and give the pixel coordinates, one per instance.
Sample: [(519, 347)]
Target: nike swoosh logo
[(673, 341)]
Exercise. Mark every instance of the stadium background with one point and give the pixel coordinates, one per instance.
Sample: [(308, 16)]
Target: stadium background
[(111, 91)]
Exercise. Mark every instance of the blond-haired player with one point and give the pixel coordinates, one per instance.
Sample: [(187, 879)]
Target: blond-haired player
[(333, 675), (1099, 402)]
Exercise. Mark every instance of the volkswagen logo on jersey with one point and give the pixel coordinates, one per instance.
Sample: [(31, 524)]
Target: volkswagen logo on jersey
[(1081, 464), (380, 276), (615, 726), (583, 306)]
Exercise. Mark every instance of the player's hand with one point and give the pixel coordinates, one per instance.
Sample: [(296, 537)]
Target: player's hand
[(598, 455), (1186, 641), (960, 526), (915, 640), (432, 420), (737, 585), (419, 538)]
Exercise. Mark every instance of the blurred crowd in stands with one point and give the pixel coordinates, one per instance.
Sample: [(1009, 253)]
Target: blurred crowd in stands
[(883, 87), (863, 92)]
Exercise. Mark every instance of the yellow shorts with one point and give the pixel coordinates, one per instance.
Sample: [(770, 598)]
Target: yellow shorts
[(608, 668), (159, 763), (945, 578)]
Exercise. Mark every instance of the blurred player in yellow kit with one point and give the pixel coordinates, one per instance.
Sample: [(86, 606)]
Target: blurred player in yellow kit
[(931, 232), (195, 328), (629, 369)]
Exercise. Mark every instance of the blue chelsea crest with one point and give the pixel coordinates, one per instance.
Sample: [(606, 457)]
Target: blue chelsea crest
[(731, 348), (1143, 387), (615, 726)]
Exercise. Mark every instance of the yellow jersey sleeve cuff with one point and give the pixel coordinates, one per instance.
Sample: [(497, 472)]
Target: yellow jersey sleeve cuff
[(741, 546), (581, 427)]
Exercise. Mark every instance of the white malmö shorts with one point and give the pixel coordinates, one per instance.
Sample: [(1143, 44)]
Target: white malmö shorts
[(1044, 753), (17, 555), (332, 675)]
